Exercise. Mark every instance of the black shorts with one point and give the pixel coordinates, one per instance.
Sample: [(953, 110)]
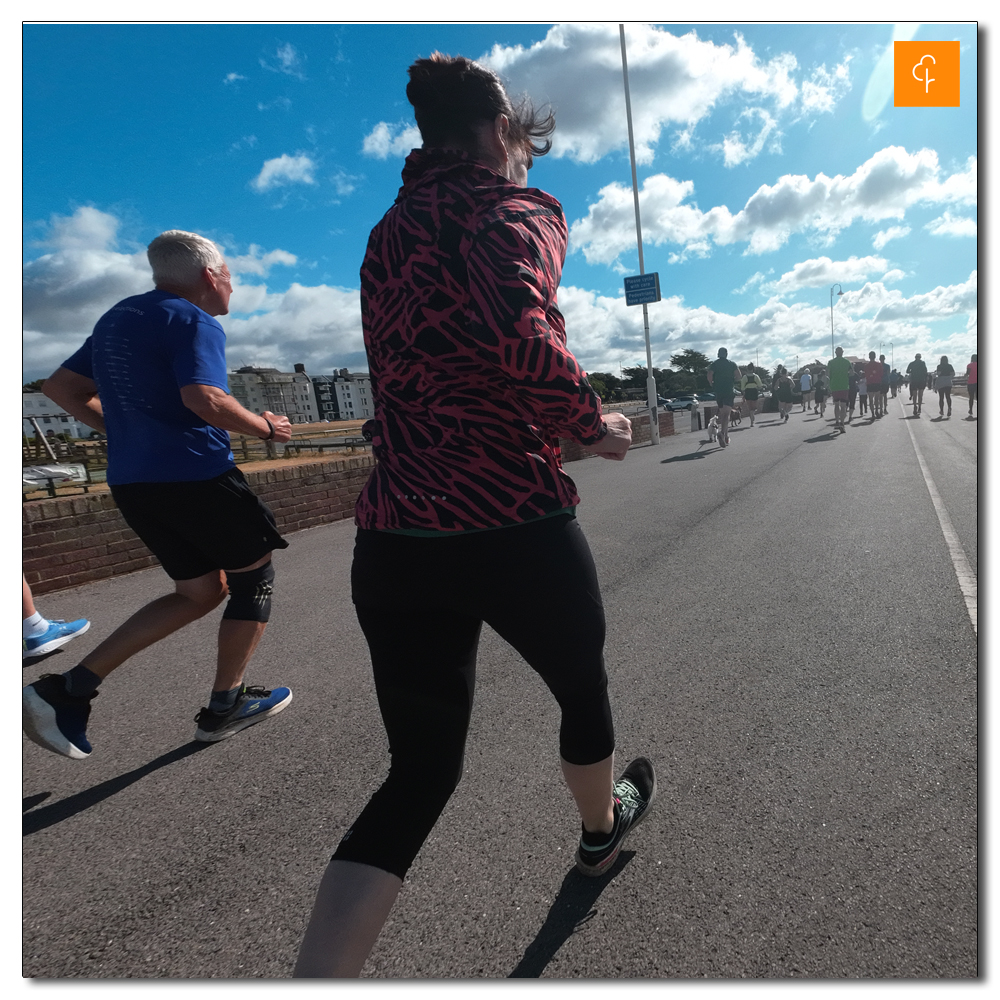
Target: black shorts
[(751, 395), (194, 528), (725, 398)]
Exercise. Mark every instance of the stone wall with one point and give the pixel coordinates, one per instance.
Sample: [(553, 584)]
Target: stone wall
[(73, 540)]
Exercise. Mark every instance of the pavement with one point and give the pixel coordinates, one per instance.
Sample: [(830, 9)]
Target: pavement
[(787, 641)]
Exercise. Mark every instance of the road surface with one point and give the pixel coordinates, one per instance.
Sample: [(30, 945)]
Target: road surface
[(788, 642)]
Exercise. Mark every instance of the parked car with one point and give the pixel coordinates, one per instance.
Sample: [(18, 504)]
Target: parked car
[(706, 397), (687, 401)]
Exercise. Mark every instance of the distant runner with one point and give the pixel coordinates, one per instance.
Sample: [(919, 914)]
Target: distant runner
[(839, 369), (722, 375), (751, 387), (916, 372)]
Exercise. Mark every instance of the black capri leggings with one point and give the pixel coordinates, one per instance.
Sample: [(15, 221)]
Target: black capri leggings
[(421, 603)]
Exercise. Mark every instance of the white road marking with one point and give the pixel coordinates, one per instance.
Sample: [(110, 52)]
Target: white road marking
[(963, 569)]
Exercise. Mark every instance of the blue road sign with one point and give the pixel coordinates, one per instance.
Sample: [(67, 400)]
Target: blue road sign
[(642, 288)]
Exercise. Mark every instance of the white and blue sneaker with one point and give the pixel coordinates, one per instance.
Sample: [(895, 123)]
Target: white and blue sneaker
[(253, 705), (57, 634), (55, 720)]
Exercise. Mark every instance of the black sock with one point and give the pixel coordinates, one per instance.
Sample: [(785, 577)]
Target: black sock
[(81, 682), (223, 701)]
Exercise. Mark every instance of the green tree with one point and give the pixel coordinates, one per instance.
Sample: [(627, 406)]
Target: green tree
[(693, 364), (611, 381), (35, 386), (598, 386)]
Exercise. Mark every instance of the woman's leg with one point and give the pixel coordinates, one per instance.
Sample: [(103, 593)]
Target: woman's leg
[(424, 664), (352, 905), (553, 616)]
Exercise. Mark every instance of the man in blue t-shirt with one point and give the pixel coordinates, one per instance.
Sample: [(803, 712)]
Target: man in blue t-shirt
[(152, 376)]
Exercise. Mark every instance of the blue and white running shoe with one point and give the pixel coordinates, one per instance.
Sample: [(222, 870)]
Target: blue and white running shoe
[(53, 719), (253, 705), (57, 634)]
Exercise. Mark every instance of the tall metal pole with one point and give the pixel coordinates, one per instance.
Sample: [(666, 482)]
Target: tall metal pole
[(654, 421), (836, 284)]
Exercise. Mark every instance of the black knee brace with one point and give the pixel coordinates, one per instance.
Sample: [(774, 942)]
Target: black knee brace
[(250, 594)]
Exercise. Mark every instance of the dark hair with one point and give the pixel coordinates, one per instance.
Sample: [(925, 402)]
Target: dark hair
[(450, 94)]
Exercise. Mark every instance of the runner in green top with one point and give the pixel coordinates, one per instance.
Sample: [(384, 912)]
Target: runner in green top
[(839, 370)]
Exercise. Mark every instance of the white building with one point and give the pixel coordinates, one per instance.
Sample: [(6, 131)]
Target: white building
[(51, 419), (287, 393), (354, 395)]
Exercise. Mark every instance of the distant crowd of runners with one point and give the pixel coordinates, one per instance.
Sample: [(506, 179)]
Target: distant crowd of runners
[(863, 385)]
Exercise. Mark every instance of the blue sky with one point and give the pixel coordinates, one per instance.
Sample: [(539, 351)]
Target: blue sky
[(772, 164)]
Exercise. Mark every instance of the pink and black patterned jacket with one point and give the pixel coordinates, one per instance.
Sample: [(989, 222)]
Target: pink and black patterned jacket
[(472, 381)]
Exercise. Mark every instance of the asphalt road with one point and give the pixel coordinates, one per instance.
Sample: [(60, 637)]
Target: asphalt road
[(787, 642)]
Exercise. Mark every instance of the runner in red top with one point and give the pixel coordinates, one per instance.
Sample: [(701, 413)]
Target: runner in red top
[(468, 517), (873, 375)]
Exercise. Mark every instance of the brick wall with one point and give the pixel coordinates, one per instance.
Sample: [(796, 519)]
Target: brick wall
[(74, 540), (573, 452)]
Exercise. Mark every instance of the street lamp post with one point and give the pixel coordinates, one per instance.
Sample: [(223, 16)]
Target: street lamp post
[(654, 423), (836, 284)]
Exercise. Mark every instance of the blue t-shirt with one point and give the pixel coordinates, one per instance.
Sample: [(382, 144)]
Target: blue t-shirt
[(141, 353)]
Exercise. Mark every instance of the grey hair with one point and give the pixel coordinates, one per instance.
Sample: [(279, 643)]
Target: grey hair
[(178, 258)]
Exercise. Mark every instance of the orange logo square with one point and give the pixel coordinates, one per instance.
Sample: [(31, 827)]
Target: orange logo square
[(925, 74)]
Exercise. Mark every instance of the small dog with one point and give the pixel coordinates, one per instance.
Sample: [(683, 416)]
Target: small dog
[(735, 416), (713, 428)]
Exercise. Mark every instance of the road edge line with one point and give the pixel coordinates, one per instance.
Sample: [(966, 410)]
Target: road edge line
[(967, 581)]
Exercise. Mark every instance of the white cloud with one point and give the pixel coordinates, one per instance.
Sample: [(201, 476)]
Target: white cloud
[(823, 89), (951, 225), (319, 326), (884, 186), (233, 77), (287, 60), (284, 170), (603, 331), (754, 279), (396, 140), (86, 229), (344, 183), (824, 273), (883, 236), (736, 151), (255, 262), (674, 81), (278, 102), (894, 275)]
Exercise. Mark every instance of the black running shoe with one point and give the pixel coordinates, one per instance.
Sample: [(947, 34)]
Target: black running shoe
[(253, 705), (633, 794), (53, 719)]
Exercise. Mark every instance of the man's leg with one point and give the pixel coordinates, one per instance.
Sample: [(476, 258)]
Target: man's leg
[(724, 424), (233, 706), (238, 637), (191, 600)]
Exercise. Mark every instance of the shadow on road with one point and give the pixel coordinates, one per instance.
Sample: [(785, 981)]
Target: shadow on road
[(64, 808), (30, 661), (690, 455), (572, 907), (828, 436)]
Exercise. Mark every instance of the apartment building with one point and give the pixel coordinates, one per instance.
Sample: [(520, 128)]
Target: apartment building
[(354, 395), (287, 393), (51, 419)]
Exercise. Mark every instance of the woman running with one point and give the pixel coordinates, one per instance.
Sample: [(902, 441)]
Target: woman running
[(468, 516), (943, 375)]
